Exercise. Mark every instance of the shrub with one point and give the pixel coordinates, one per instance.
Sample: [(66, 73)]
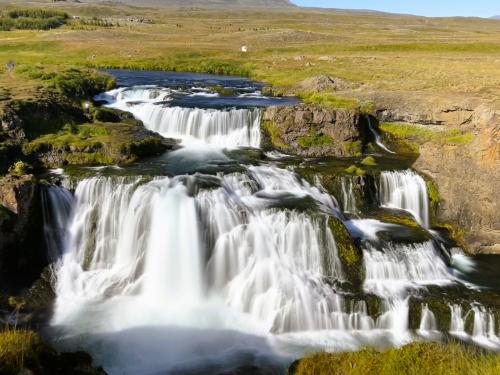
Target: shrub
[(19, 168), (78, 84)]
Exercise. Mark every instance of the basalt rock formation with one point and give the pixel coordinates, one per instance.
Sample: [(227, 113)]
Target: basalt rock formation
[(313, 131)]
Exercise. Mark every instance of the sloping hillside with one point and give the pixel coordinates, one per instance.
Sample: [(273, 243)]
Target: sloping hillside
[(208, 3)]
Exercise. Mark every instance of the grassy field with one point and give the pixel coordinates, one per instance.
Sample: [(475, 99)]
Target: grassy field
[(414, 359), (457, 57)]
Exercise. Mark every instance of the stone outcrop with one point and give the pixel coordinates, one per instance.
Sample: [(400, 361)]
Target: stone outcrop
[(22, 250), (467, 175), (312, 131)]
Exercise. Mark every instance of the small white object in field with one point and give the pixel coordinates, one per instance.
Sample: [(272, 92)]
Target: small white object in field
[(244, 49)]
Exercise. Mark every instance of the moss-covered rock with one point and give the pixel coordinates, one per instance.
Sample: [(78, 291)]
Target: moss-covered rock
[(272, 133), (350, 255), (313, 130), (97, 144), (369, 161)]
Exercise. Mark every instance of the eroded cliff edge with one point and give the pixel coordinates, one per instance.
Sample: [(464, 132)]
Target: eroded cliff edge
[(462, 157)]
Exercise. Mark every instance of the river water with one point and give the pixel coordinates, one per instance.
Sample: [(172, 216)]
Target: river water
[(219, 254)]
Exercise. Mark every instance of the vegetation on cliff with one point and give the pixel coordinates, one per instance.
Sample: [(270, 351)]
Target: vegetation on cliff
[(417, 359)]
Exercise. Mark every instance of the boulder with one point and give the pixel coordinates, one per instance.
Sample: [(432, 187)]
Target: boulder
[(312, 131)]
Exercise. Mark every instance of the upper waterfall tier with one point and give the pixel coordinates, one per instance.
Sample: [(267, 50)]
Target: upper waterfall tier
[(225, 128)]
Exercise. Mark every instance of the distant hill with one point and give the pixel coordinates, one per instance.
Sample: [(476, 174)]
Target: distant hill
[(207, 3), (495, 17)]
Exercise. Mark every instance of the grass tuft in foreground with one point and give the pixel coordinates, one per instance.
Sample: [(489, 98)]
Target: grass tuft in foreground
[(415, 359)]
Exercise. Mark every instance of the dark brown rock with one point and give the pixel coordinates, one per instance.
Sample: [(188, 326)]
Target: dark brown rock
[(22, 250)]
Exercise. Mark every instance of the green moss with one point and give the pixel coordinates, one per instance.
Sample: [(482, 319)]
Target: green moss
[(103, 114), (355, 170), (353, 148), (421, 358), (434, 197), (391, 217), (20, 168), (330, 100), (222, 91), (369, 161), (421, 134), (349, 254), (274, 134), (315, 139), (455, 233), (95, 144)]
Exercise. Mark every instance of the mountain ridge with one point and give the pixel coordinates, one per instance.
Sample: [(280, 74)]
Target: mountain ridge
[(207, 3)]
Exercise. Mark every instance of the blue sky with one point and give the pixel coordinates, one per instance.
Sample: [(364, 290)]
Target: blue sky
[(435, 8)]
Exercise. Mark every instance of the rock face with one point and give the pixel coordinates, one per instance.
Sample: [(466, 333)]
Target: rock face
[(467, 175), (22, 250), (313, 131)]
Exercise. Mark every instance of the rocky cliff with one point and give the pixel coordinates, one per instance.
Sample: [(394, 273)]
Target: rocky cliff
[(466, 173), (22, 250)]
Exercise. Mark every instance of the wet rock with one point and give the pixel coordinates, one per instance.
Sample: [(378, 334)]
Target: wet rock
[(350, 255)]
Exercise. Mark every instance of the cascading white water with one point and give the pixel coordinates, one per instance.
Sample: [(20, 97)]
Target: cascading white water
[(428, 324), (57, 205), (405, 190), (457, 321), (392, 272), (484, 328), (229, 128), (135, 238), (349, 199), (376, 136)]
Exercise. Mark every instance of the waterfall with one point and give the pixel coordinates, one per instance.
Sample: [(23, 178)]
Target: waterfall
[(457, 323), (153, 241), (223, 128), (229, 128), (484, 328), (428, 324), (405, 190), (349, 199), (57, 204), (398, 268), (376, 136)]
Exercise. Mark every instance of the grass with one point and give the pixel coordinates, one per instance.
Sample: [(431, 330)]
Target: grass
[(95, 144), (32, 19), (331, 100), (315, 139), (375, 52), (422, 133), (17, 347), (414, 359)]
